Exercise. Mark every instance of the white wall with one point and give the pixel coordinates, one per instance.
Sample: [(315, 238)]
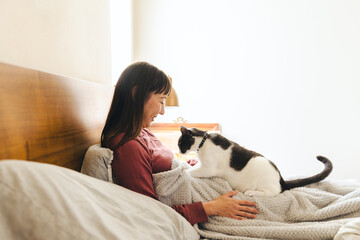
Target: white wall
[(67, 37), (121, 36), (281, 77)]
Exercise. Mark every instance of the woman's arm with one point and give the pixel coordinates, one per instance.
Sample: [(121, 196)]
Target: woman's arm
[(132, 168)]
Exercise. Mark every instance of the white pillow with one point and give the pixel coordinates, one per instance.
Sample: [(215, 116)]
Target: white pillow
[(97, 163), (44, 201)]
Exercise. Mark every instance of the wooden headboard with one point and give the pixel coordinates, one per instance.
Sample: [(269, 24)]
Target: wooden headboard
[(49, 118)]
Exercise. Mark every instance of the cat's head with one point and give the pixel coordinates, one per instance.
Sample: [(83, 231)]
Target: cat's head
[(189, 139)]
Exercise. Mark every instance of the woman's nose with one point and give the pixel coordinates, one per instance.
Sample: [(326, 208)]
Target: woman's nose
[(162, 110)]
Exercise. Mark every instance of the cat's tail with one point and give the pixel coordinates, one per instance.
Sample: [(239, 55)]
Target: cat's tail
[(286, 185)]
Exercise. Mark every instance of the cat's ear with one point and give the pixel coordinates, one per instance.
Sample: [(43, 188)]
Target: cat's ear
[(184, 131)]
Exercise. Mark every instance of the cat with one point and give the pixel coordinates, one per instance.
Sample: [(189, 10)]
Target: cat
[(246, 171)]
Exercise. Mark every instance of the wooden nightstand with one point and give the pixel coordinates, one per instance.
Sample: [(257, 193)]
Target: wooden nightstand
[(169, 133)]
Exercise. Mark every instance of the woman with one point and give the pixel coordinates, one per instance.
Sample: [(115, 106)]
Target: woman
[(140, 95)]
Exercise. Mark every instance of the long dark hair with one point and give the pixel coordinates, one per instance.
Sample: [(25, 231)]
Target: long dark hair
[(126, 110)]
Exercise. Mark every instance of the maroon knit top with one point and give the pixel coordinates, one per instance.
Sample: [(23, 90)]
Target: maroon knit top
[(134, 163)]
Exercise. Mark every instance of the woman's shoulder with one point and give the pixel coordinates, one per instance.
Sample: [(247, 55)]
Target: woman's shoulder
[(133, 149), (137, 142)]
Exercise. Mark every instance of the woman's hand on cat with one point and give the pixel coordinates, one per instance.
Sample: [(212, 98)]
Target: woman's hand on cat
[(227, 206)]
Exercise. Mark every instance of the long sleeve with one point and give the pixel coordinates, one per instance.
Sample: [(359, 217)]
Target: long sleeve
[(194, 212), (133, 166)]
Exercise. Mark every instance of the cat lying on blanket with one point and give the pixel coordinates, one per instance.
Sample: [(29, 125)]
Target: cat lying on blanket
[(245, 170)]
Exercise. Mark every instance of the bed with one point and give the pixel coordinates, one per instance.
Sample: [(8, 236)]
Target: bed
[(48, 125)]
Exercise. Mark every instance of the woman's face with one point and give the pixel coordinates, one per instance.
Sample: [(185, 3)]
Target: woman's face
[(154, 106)]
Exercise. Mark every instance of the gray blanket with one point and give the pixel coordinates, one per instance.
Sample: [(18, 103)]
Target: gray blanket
[(313, 212)]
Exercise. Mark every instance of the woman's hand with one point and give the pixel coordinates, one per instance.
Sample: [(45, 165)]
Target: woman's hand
[(192, 161), (227, 206)]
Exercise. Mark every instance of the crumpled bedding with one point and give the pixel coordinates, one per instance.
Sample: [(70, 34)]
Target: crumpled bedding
[(43, 201), (317, 211)]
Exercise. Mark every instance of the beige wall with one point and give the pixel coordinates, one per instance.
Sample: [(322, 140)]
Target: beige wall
[(66, 37)]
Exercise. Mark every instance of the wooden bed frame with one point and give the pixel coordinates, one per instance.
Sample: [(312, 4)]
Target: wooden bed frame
[(49, 118)]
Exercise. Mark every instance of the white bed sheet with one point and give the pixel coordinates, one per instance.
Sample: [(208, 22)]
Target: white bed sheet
[(350, 231), (43, 201)]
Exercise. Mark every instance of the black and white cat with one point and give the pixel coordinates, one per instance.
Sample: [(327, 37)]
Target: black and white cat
[(245, 170)]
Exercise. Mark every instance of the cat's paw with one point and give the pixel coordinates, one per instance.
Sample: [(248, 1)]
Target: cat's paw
[(193, 173), (196, 172)]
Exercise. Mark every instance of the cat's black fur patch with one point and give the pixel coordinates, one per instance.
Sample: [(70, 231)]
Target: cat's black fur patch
[(221, 141), (185, 142), (196, 132), (240, 156), (273, 164)]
